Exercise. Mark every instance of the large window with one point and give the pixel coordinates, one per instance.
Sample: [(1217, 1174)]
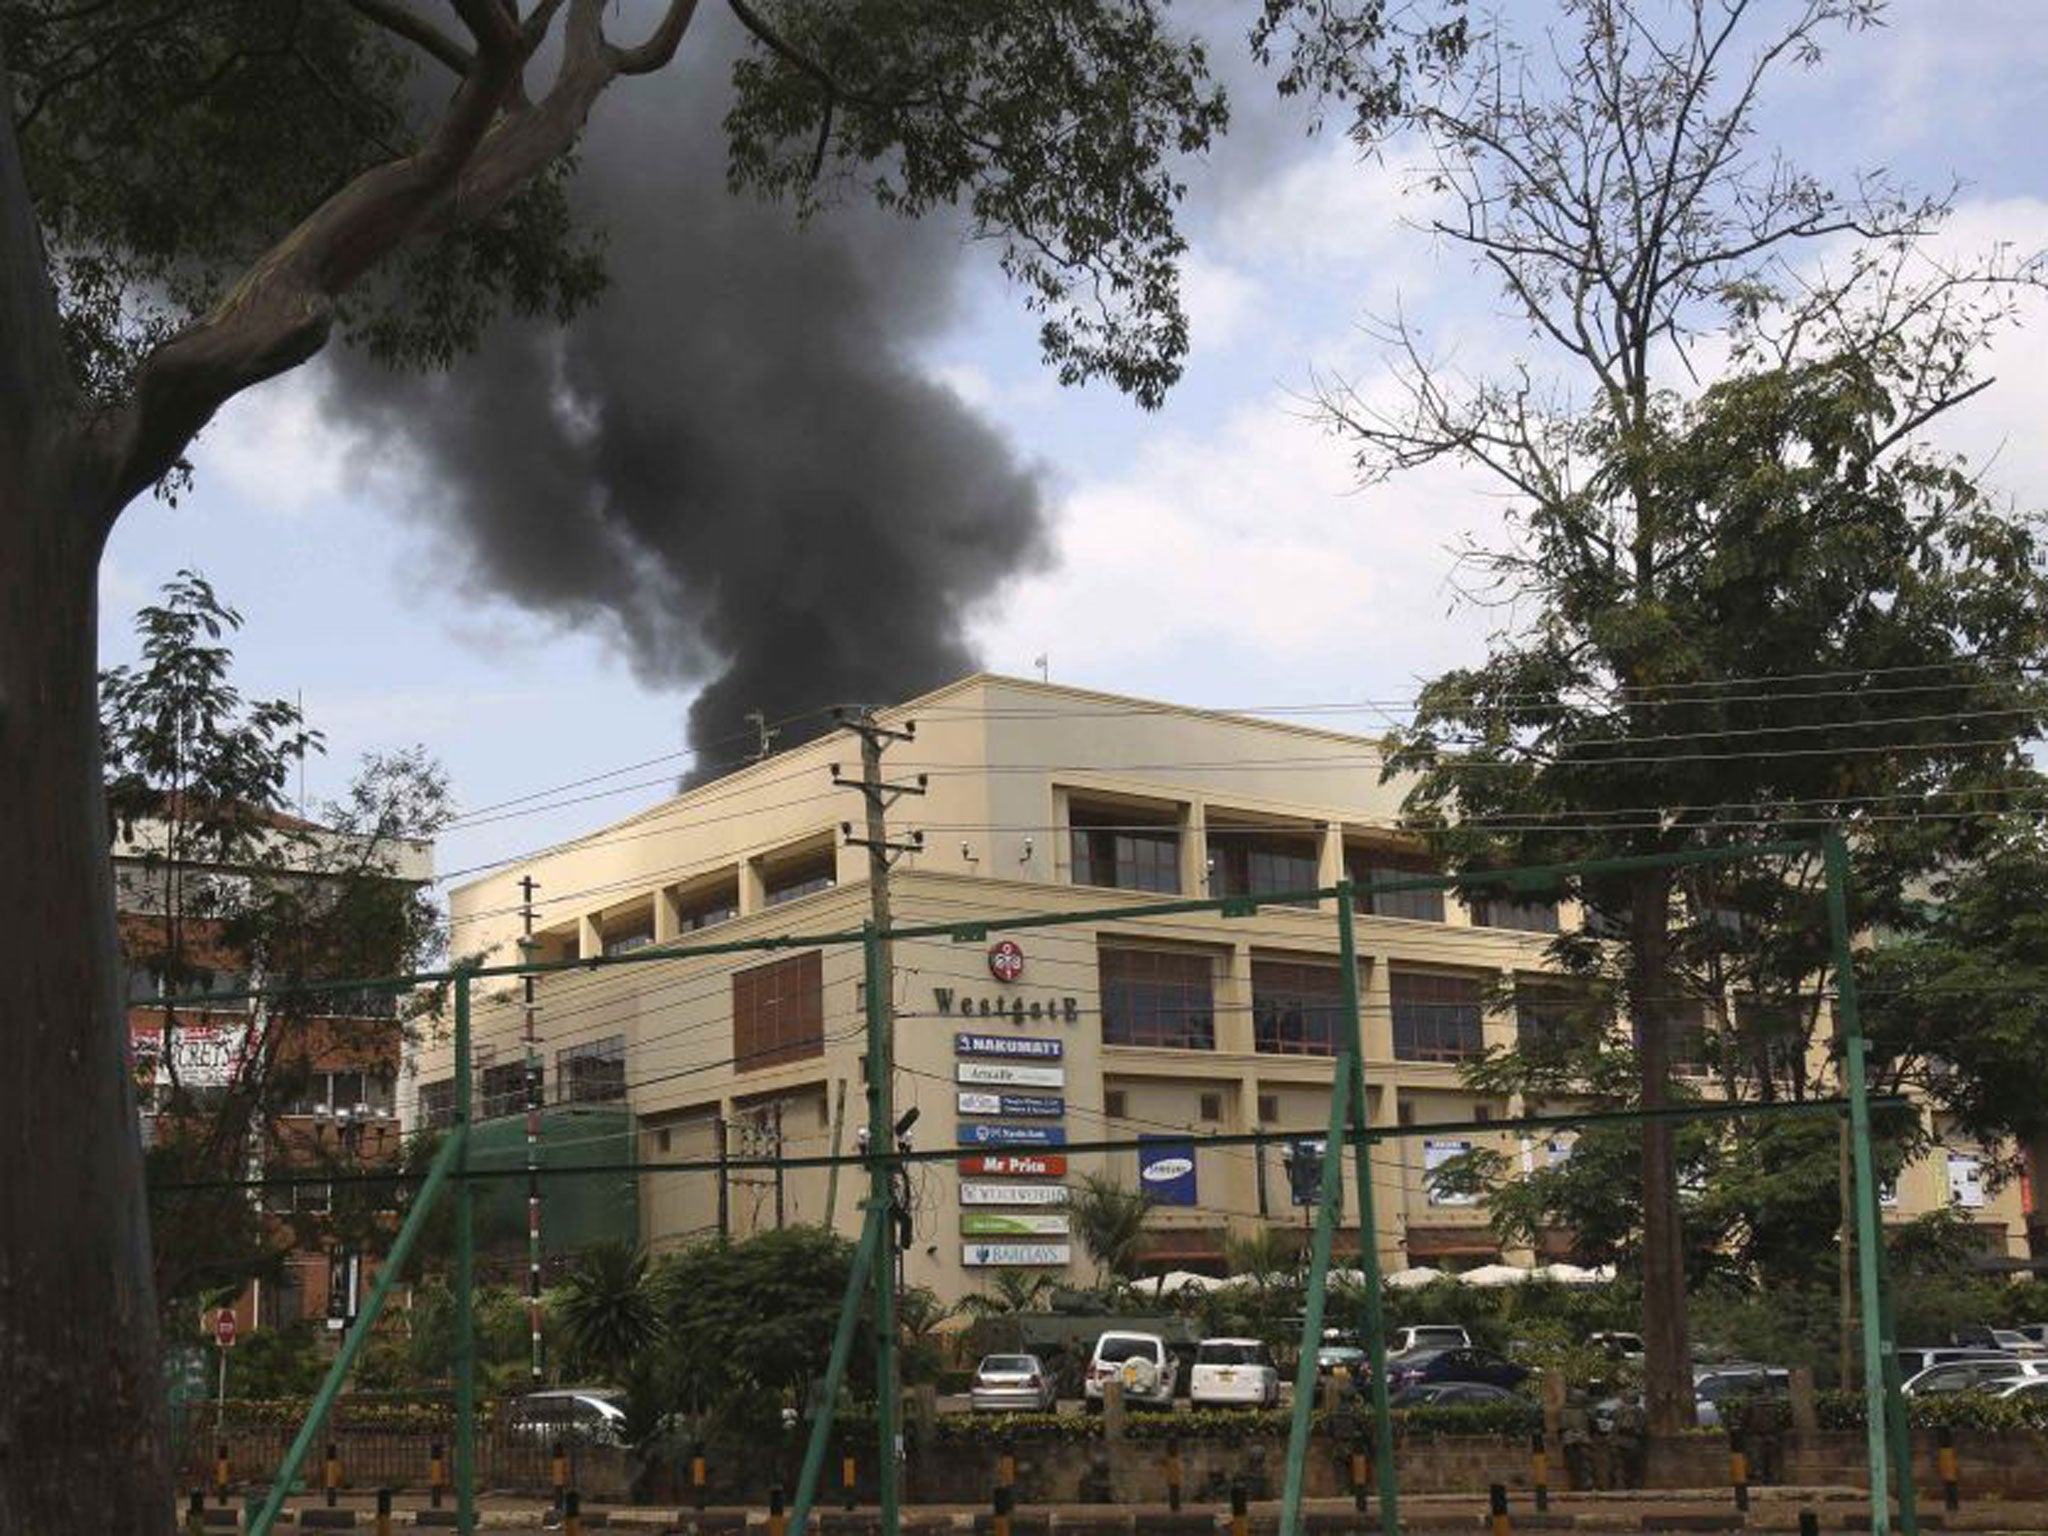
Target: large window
[(1691, 1047), (1260, 863), (1364, 865), (1552, 1013), (503, 1089), (1297, 1007), (778, 1012), (698, 910), (1158, 997), (327, 1093), (592, 1071), (816, 871), (1525, 916), (1436, 1016), (437, 1104), (1127, 849)]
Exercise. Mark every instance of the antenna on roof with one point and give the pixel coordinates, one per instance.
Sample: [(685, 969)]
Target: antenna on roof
[(759, 722), (1043, 661)]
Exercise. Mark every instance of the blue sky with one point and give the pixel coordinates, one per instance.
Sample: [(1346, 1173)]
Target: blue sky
[(1215, 552)]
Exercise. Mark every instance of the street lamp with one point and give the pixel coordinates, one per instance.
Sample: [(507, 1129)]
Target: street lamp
[(351, 1125)]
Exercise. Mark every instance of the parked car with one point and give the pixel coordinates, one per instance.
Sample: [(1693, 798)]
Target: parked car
[(1012, 1384), (1462, 1394), (1617, 1346), (1427, 1336), (1348, 1358), (1913, 1361), (1467, 1364), (2034, 1333), (1726, 1383), (1141, 1361), (590, 1415), (1984, 1336), (1233, 1372), (2025, 1386), (1972, 1375)]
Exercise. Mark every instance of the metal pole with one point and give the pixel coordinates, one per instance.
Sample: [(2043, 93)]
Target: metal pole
[(530, 994), (881, 1211), (1330, 1199), (1353, 1046), (445, 1162), (871, 1235), (464, 1284), (838, 1139), (1869, 1232)]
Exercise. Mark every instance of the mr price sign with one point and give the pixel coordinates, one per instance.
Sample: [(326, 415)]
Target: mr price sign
[(1016, 1165)]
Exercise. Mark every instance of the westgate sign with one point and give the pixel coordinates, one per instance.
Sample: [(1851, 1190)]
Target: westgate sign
[(1039, 1010), (1004, 1074), (1015, 1165)]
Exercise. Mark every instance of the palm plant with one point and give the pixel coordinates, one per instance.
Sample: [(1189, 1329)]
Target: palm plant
[(1109, 1219), (609, 1308)]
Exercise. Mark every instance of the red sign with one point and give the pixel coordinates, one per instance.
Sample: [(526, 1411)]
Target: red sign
[(1006, 960), (1016, 1165), (224, 1328)]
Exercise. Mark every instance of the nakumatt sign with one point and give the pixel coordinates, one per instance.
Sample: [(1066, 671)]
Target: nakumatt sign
[(1009, 1045)]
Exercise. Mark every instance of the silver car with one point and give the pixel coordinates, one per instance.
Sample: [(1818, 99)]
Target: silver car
[(1011, 1384)]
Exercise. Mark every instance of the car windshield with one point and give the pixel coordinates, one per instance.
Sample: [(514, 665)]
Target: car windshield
[(1006, 1365), (1228, 1353), (1114, 1351), (1750, 1384), (1437, 1338)]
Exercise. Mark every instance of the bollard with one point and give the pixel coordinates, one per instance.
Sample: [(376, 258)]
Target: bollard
[(699, 1485), (1361, 1476), (1005, 1501), (331, 1473), (1539, 1469), (1809, 1523), (195, 1513), (1240, 1509), (1006, 1466), (383, 1512), (777, 1524), (1738, 1473), (1497, 1506), (1173, 1466), (572, 1512), (437, 1473), (849, 1479), (220, 1473), (558, 1472), (1945, 1462)]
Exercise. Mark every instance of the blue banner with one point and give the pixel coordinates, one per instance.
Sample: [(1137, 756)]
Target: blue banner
[(1009, 1045), (1166, 1169), (1012, 1136)]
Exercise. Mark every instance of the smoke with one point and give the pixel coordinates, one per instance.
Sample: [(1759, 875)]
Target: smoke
[(732, 465)]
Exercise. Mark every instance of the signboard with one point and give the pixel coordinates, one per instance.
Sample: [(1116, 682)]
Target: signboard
[(1166, 1169), (1006, 960), (1027, 1105), (1012, 1194), (1013, 1224), (207, 1053), (224, 1328), (1005, 1074), (1015, 1165), (1304, 1160), (1012, 1255), (1434, 1155), (1011, 1136), (1009, 1045)]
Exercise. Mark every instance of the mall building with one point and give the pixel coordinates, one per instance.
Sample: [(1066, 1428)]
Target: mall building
[(1037, 799)]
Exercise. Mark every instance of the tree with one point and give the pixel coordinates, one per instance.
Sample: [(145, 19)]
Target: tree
[(1742, 601), (399, 174), (610, 1310), (1109, 1219)]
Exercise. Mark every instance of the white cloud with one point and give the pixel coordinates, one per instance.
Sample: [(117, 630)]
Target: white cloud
[(277, 448)]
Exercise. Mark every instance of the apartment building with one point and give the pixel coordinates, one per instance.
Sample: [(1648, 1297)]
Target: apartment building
[(1037, 799)]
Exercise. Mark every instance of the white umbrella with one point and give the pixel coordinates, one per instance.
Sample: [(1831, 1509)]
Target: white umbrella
[(1413, 1279), (1562, 1273), (1494, 1274)]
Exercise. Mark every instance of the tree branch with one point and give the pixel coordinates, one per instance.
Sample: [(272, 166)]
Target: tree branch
[(400, 20)]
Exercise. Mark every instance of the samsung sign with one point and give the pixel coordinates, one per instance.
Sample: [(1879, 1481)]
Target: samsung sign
[(1166, 1169), (1009, 1045)]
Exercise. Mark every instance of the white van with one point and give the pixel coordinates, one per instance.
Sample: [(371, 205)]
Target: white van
[(1141, 1361)]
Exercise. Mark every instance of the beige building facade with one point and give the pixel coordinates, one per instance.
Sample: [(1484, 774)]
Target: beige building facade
[(1038, 799)]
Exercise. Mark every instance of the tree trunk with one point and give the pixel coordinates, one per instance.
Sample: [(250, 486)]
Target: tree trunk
[(82, 1406), (1667, 1356)]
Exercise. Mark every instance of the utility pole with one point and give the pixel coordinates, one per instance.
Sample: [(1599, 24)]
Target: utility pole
[(724, 1181), (883, 1133), (530, 988), (775, 1135)]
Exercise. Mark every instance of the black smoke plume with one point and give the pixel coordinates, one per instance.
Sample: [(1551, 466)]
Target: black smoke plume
[(733, 464)]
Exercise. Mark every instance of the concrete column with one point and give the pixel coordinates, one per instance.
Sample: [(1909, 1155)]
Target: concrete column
[(1234, 1033), (1194, 849), (1375, 995), (753, 888), (589, 941), (1329, 858), (667, 922)]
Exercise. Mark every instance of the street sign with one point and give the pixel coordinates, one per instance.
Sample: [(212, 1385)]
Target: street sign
[(1166, 1169), (224, 1328), (1005, 960)]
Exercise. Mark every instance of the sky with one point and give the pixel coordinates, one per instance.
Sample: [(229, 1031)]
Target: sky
[(1218, 552)]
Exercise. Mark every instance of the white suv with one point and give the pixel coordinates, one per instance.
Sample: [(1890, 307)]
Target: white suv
[(1234, 1372), (1428, 1336), (1140, 1361)]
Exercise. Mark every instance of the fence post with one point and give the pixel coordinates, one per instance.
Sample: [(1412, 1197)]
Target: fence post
[(1497, 1508), (1539, 1469), (1173, 1471), (437, 1473), (1945, 1460), (331, 1473), (1738, 1471), (383, 1512), (1240, 1509)]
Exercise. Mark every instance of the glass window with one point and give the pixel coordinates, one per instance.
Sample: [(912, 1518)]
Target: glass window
[(1363, 865), (1261, 863), (626, 942), (1691, 1046), (1158, 997), (817, 871), (437, 1103), (1229, 1352), (345, 1090), (1297, 1007), (707, 909), (1525, 916), (1434, 1155), (503, 1090), (593, 1071), (1552, 1012), (1128, 850), (1436, 1017)]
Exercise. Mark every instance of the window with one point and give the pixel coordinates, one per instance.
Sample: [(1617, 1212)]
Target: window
[(628, 940), (1210, 1107), (699, 910), (1525, 916), (593, 1071), (1436, 1017), (1260, 863), (503, 1090), (1297, 1007), (811, 872), (778, 1012), (1691, 1049), (1129, 850), (327, 1093), (1158, 997), (1114, 1105), (1551, 1013), (1364, 865), (1269, 1108), (1434, 1155), (1965, 1181), (437, 1104)]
